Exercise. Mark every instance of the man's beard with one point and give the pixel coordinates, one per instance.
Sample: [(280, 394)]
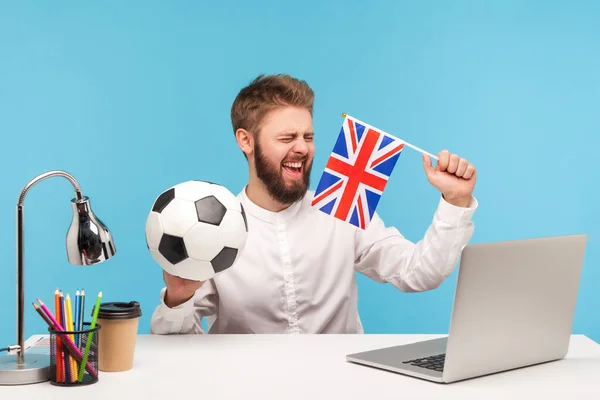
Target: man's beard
[(272, 177)]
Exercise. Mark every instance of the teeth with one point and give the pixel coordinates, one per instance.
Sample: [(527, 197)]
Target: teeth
[(293, 165)]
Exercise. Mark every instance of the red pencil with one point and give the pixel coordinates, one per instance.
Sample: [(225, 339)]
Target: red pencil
[(66, 340)]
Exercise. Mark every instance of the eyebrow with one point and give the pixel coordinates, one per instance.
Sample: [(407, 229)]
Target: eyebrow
[(295, 134)]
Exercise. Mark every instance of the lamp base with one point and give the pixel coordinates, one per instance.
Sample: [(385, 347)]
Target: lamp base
[(35, 369)]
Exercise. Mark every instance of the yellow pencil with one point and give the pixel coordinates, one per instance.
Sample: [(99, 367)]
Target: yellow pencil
[(70, 327)]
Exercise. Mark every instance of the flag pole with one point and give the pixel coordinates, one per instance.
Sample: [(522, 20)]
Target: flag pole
[(406, 143)]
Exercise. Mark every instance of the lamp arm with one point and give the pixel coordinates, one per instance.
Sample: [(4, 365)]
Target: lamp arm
[(39, 178), (20, 270)]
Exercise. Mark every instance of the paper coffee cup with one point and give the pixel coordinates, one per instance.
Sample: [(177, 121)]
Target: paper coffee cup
[(116, 341)]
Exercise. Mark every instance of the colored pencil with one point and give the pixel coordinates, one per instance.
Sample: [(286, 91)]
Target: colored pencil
[(66, 340), (81, 312), (76, 315), (60, 366), (89, 340), (70, 327), (47, 320), (63, 316), (44, 316)]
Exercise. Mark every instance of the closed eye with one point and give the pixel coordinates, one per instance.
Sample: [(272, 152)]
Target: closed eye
[(290, 137)]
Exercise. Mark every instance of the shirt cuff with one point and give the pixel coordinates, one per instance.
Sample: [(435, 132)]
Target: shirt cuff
[(175, 315), (454, 215)]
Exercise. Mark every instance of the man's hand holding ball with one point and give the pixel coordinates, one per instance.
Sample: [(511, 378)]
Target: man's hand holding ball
[(179, 290), (194, 231)]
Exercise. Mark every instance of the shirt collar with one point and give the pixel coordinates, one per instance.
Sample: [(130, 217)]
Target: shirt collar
[(266, 215)]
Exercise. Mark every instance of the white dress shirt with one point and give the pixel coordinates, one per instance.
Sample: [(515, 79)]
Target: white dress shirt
[(296, 273)]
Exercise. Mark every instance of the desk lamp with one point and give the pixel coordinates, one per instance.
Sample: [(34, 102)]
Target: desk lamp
[(88, 242)]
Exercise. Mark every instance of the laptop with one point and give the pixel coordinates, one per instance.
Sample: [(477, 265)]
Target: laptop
[(513, 307)]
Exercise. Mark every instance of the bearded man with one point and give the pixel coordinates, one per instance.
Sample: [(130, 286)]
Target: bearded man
[(296, 273)]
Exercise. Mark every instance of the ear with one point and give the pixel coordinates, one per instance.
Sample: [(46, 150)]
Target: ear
[(245, 141)]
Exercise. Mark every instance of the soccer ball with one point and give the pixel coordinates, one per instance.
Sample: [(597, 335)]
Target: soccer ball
[(196, 230)]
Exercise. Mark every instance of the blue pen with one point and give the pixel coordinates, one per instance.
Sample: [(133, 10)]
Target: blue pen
[(76, 312)]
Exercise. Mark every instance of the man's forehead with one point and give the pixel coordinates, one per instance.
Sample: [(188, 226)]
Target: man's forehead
[(288, 115)]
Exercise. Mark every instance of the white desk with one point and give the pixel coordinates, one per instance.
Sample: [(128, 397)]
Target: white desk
[(309, 367)]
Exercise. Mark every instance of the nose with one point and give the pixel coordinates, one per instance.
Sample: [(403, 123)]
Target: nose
[(301, 147)]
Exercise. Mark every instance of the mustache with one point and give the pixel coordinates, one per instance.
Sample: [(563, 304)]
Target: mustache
[(296, 160)]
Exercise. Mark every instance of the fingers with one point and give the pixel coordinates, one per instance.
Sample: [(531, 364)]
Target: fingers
[(454, 164), (443, 160), (462, 167), (470, 171), (427, 165)]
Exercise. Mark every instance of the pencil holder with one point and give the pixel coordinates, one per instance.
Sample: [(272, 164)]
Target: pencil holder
[(69, 350)]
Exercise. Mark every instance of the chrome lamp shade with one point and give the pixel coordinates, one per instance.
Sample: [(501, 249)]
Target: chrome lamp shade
[(88, 239), (88, 242)]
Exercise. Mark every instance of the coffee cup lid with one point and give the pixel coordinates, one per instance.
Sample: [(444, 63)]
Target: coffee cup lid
[(120, 310)]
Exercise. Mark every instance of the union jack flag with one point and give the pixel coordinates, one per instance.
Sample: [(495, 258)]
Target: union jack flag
[(357, 172)]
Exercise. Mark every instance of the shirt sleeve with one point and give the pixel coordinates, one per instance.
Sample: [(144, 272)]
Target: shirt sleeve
[(384, 255), (186, 318)]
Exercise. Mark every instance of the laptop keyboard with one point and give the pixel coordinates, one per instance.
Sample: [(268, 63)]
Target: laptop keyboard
[(435, 362)]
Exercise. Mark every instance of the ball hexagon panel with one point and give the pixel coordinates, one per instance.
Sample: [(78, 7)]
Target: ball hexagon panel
[(233, 229), (163, 200), (178, 217), (203, 241), (154, 230), (224, 259), (196, 270), (210, 210), (172, 248), (192, 190)]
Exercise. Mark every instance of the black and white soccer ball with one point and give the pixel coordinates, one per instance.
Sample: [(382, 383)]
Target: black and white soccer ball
[(196, 230)]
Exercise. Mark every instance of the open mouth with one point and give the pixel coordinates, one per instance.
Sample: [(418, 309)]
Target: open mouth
[(294, 169)]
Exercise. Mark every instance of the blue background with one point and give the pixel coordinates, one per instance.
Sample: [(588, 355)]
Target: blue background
[(133, 97)]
